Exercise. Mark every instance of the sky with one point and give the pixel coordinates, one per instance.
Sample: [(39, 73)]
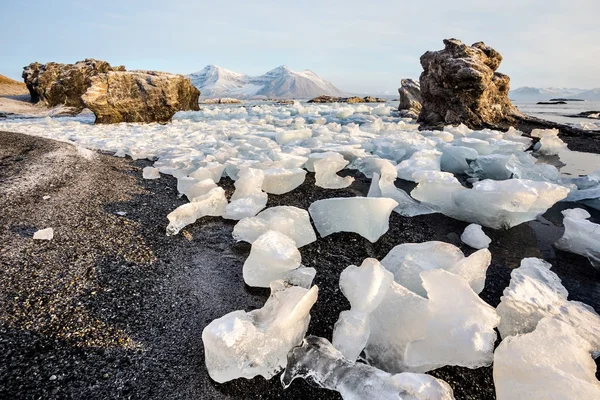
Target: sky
[(360, 46)]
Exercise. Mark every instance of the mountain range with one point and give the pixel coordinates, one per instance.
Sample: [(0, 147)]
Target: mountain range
[(528, 93), (280, 83)]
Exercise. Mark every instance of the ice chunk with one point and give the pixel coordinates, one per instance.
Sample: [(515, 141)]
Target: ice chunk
[(475, 237), (280, 181), (302, 277), (272, 255), (581, 236), (213, 203), (291, 221), (246, 344), (248, 198), (550, 144), (369, 217), (287, 160), (200, 188), (495, 204), (407, 261), (44, 234), (536, 292), (423, 160), (552, 362), (456, 159), (318, 360), (364, 287), (411, 333), (150, 173), (325, 172), (211, 170), (285, 137), (345, 113), (407, 206)]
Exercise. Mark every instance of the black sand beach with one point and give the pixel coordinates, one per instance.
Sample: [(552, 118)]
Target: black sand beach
[(113, 308)]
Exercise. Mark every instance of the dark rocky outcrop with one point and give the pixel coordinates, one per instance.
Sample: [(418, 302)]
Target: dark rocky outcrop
[(459, 85), (139, 96), (354, 99), (410, 98), (549, 103), (112, 93)]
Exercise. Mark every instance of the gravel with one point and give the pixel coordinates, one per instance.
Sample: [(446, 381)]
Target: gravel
[(113, 308)]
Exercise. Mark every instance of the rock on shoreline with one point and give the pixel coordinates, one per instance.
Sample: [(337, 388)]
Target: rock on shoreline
[(354, 99)]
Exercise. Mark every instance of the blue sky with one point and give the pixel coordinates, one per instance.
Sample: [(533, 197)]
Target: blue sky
[(360, 46)]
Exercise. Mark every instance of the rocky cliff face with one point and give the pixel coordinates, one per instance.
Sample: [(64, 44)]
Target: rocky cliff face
[(139, 96), (459, 85), (112, 93), (410, 98)]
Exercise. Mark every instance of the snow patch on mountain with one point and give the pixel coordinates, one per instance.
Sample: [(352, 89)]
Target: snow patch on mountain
[(281, 82), (527, 93)]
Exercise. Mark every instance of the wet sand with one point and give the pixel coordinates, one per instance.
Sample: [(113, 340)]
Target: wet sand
[(113, 308)]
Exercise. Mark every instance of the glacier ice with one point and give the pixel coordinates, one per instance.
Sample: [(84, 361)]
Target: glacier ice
[(364, 287), (281, 180), (326, 169), (474, 236), (150, 173), (193, 189), (550, 144), (246, 344), (213, 203), (272, 256), (551, 362), (536, 292), (302, 276), (248, 198), (407, 261), (456, 159), (495, 204), (423, 160), (44, 234), (317, 360), (367, 216), (291, 221), (407, 206), (211, 170), (581, 236), (285, 137)]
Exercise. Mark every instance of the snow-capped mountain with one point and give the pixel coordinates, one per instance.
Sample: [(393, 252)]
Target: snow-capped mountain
[(280, 83), (527, 93)]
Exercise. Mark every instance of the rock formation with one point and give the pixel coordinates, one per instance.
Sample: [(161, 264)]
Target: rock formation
[(459, 85), (112, 93), (410, 99), (354, 99), (139, 96)]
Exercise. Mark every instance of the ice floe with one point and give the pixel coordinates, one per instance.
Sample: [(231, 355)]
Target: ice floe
[(474, 236)]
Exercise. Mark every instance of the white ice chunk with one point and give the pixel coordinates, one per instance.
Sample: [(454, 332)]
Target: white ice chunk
[(367, 216), (280, 181), (150, 173), (495, 204), (552, 362), (456, 159), (272, 256), (213, 203), (289, 160), (364, 287), (536, 292), (285, 137), (318, 360), (326, 170), (246, 344), (407, 261), (212, 170), (407, 206), (248, 198), (474, 236), (423, 160), (44, 234), (581, 236), (452, 327), (550, 144), (291, 221), (302, 277)]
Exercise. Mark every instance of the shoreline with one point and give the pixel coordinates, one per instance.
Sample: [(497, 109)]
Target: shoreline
[(112, 307)]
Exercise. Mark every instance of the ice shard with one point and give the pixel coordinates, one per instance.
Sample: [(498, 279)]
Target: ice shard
[(326, 170), (211, 204), (581, 236)]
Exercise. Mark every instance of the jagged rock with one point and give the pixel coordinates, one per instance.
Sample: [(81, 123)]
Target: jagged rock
[(410, 98), (134, 96), (354, 99), (63, 84), (459, 85), (139, 96)]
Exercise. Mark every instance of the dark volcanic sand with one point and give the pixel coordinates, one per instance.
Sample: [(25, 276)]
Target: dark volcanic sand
[(113, 308)]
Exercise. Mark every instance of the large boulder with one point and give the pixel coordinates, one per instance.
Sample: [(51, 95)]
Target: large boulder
[(57, 84), (459, 85), (139, 96), (112, 93), (410, 98)]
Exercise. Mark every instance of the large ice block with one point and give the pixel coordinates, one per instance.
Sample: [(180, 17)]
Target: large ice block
[(326, 170), (213, 204), (581, 236)]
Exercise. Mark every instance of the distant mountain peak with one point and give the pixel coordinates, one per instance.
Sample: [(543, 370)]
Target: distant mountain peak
[(529, 93), (280, 82)]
